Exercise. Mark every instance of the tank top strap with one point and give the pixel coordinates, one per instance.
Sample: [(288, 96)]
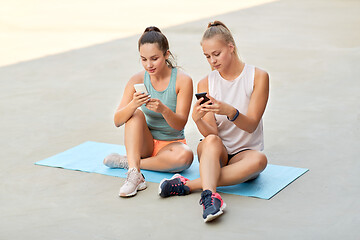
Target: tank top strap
[(172, 82), (147, 81)]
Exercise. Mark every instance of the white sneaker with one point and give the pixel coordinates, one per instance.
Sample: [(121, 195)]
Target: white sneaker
[(115, 160), (135, 181)]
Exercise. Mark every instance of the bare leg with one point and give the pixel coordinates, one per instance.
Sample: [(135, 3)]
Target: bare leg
[(212, 155), (174, 157), (138, 139), (241, 168)]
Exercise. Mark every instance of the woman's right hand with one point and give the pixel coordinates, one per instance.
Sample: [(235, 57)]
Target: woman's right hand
[(140, 99), (198, 112)]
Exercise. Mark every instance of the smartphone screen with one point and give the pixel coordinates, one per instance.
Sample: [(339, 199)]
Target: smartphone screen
[(140, 87), (202, 95)]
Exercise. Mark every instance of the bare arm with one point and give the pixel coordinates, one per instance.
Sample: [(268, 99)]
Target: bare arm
[(130, 101), (205, 121)]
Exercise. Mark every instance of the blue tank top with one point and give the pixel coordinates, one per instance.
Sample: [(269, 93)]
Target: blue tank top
[(157, 124)]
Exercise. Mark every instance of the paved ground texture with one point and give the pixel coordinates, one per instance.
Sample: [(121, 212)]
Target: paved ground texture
[(311, 50)]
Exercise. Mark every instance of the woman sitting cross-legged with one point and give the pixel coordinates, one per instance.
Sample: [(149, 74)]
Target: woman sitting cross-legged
[(230, 121), (154, 135)]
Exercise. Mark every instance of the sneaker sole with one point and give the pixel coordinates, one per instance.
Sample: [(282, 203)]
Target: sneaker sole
[(165, 179), (211, 217), (140, 187)]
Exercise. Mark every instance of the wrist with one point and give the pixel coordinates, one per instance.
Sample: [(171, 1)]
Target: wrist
[(165, 110), (196, 121), (133, 106), (233, 116)]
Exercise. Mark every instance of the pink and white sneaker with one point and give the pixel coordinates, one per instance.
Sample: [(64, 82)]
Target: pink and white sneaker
[(135, 181)]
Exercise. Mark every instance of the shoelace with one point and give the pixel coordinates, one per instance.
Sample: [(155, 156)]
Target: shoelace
[(122, 163), (206, 201), (177, 188), (131, 176)]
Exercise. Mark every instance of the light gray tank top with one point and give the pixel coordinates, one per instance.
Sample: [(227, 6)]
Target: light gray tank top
[(157, 124), (237, 93)]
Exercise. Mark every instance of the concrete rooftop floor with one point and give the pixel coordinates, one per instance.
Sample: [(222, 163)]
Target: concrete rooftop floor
[(311, 50)]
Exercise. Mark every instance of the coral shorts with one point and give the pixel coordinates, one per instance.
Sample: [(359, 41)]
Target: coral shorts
[(159, 144)]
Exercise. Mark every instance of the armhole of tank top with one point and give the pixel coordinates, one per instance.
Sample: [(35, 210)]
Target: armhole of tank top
[(147, 80), (173, 78), (210, 83), (145, 76), (251, 80)]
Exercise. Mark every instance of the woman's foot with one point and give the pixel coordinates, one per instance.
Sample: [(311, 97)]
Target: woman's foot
[(134, 181), (212, 205), (174, 186), (115, 160)]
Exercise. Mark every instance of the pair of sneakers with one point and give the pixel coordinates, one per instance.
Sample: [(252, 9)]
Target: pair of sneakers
[(134, 182), (213, 205)]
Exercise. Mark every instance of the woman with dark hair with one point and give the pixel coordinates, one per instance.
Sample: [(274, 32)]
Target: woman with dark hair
[(230, 121), (154, 135)]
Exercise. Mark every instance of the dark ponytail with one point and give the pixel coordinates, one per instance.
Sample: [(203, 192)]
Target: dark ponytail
[(154, 35)]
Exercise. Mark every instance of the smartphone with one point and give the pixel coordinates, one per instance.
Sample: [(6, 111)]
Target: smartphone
[(140, 87), (202, 95)]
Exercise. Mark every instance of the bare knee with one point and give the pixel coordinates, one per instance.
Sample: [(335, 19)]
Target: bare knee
[(211, 146), (182, 159), (138, 116), (210, 142), (185, 157), (261, 161)]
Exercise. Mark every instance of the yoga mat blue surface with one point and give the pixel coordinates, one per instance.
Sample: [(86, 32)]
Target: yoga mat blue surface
[(88, 157)]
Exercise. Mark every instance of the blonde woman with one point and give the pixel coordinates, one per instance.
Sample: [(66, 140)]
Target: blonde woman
[(230, 121)]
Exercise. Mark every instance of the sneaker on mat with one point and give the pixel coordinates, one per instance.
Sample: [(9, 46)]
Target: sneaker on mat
[(213, 205), (134, 181), (173, 186), (115, 160)]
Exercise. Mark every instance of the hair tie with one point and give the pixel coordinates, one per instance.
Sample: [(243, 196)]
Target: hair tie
[(214, 24), (152, 28)]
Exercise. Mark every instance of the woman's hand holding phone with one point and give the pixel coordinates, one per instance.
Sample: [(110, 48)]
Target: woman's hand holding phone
[(202, 96), (141, 96), (218, 107), (198, 110)]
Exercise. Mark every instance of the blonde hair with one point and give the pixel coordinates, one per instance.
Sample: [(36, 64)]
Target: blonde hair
[(218, 28)]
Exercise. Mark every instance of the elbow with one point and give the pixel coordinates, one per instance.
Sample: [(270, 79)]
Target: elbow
[(117, 123), (181, 126), (250, 130), (252, 126)]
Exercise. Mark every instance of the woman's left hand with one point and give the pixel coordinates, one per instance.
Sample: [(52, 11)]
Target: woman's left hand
[(155, 105), (218, 107)]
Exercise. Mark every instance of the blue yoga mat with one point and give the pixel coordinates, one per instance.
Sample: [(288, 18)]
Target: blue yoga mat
[(88, 157)]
